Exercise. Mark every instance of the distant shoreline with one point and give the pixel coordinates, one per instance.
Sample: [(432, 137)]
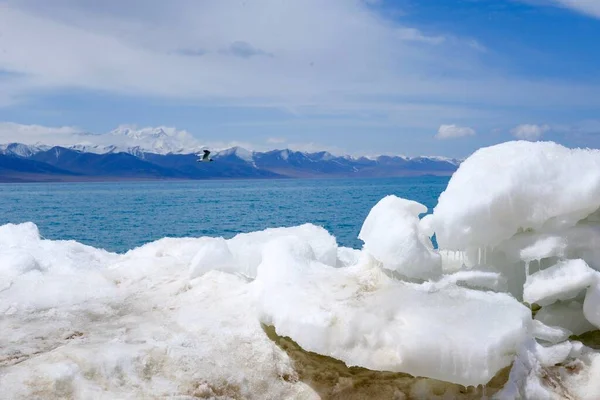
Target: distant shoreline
[(7, 180)]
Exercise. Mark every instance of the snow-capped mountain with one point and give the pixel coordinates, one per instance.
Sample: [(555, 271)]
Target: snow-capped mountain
[(167, 153), (159, 140), (124, 139), (21, 150)]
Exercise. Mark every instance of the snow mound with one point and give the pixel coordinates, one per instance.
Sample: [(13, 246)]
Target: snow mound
[(392, 235), (362, 317), (501, 190), (214, 255), (79, 322), (247, 248)]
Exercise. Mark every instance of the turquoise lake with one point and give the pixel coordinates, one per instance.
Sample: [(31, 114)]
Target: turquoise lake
[(121, 216)]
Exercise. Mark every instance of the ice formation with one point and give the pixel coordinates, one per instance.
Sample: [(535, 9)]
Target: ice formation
[(563, 281), (364, 318), (517, 186), (517, 227), (392, 235)]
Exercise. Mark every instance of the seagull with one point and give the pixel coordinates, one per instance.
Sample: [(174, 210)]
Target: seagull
[(205, 157)]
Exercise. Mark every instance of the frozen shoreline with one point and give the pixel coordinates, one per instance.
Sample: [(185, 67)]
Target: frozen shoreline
[(185, 317)]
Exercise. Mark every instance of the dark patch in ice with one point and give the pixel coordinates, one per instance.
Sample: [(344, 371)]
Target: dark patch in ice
[(590, 339), (224, 390), (332, 379)]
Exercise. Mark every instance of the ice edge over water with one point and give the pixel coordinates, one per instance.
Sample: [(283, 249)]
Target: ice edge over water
[(518, 224)]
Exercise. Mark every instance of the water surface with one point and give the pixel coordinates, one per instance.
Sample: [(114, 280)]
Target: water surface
[(120, 216)]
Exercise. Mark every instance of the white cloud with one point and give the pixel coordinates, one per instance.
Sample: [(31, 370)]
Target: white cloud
[(412, 34), (588, 7), (145, 48), (529, 131), (36, 134), (454, 131), (162, 139), (323, 55)]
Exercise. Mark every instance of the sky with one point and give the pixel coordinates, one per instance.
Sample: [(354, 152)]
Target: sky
[(429, 77)]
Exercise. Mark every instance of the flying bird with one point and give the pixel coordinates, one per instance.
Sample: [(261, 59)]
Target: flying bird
[(205, 157)]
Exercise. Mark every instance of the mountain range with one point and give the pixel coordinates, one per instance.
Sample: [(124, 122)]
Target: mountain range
[(158, 153)]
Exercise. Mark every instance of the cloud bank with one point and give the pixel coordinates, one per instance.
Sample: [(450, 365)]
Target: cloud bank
[(529, 131), (454, 131), (587, 7), (306, 56)]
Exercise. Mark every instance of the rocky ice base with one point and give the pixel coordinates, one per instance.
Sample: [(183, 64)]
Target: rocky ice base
[(286, 313)]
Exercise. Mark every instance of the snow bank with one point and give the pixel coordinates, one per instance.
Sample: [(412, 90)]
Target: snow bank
[(241, 254), (362, 317), (85, 323), (392, 235), (37, 274)]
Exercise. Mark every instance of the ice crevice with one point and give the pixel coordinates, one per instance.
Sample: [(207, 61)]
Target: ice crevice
[(511, 291)]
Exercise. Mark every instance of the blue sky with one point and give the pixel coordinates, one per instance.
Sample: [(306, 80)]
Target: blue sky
[(353, 76)]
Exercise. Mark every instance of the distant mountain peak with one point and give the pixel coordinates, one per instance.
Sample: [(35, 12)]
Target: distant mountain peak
[(239, 152), (110, 161), (159, 140)]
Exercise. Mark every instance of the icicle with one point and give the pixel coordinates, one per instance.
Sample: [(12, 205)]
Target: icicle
[(526, 269)]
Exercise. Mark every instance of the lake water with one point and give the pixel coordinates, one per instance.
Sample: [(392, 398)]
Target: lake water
[(121, 216)]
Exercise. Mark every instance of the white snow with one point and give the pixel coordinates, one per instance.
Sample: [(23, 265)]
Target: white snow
[(591, 305), (392, 235), (248, 252), (551, 334), (181, 318), (514, 186), (240, 152), (544, 247), (564, 371), (364, 318), (568, 316), (213, 255), (563, 281), (84, 323), (474, 279), (125, 138), (346, 256)]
